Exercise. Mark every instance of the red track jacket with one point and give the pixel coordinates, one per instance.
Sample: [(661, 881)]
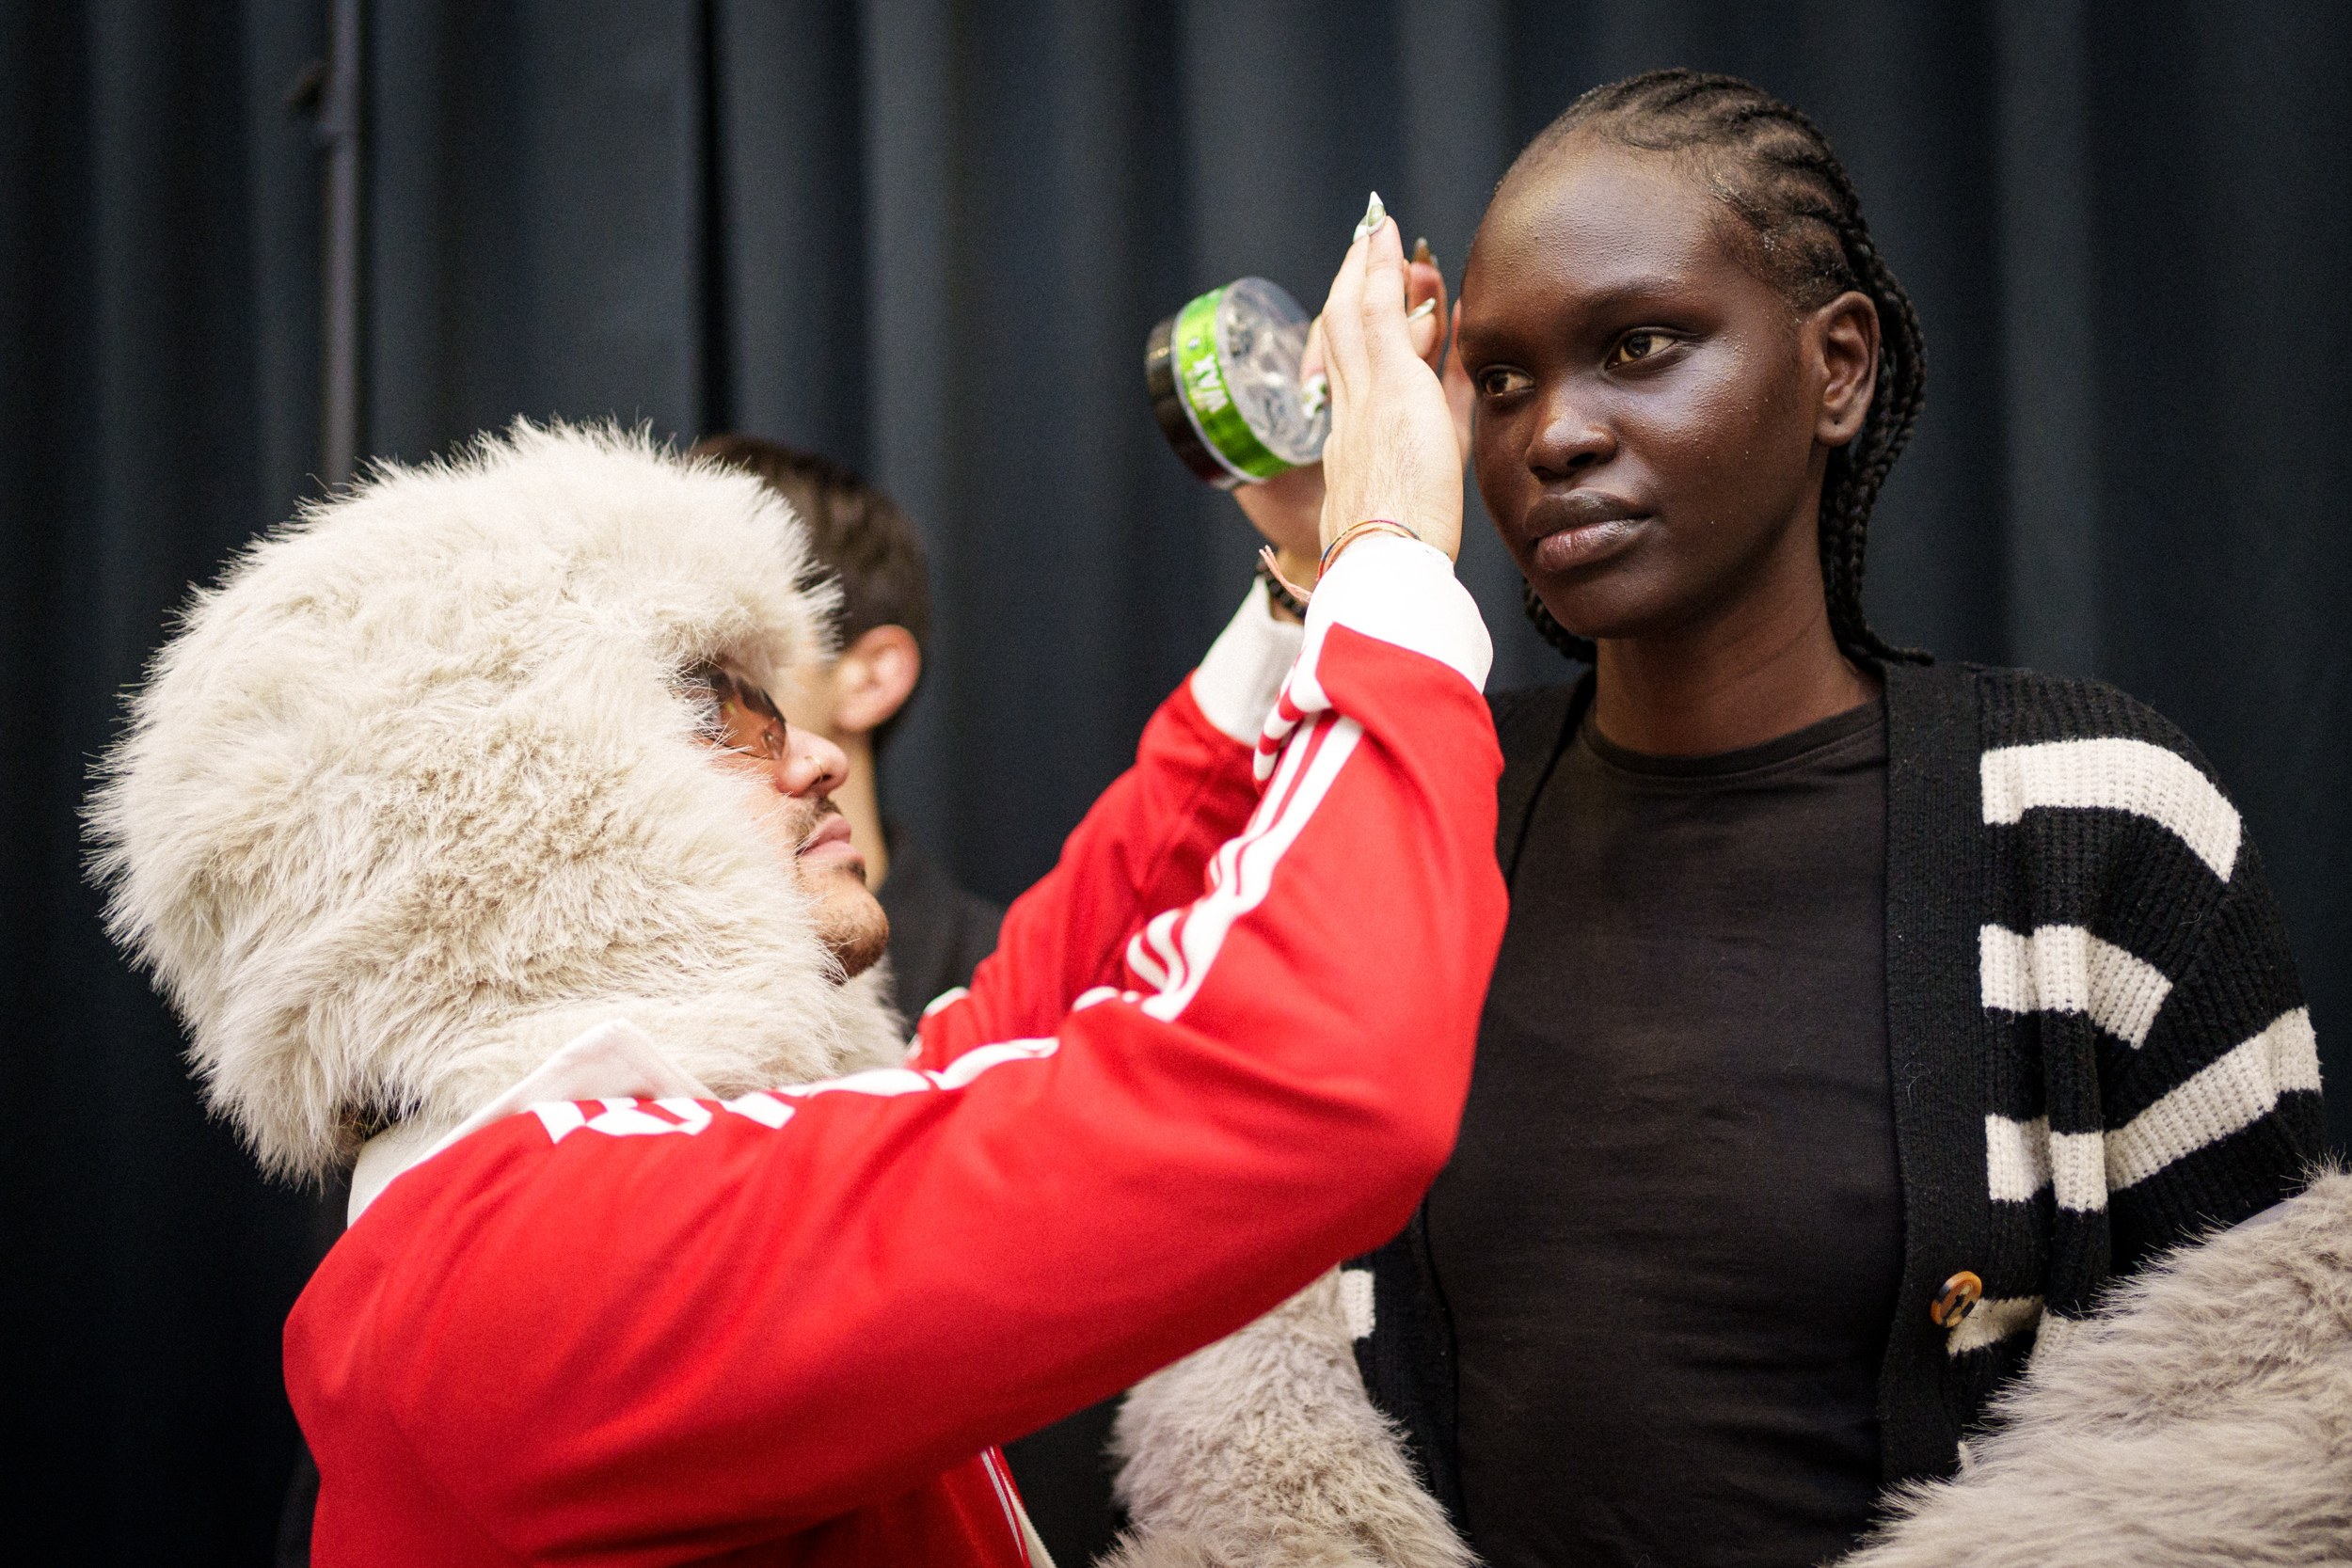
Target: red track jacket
[(1223, 1044)]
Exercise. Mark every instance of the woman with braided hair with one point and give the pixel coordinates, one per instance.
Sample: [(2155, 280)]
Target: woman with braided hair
[(1859, 1017)]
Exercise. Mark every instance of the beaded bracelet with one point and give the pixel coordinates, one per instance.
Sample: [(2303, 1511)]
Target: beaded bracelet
[(1280, 588)]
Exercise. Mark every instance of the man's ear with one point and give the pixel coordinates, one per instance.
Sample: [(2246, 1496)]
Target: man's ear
[(1846, 331), (873, 678)]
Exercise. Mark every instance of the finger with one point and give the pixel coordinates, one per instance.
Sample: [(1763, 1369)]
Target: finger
[(1386, 271), (1422, 280), (1345, 359), (1425, 292), (1459, 393), (1348, 260), (1382, 310)]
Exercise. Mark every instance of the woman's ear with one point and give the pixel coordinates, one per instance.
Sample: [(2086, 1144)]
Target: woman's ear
[(873, 678), (1845, 335)]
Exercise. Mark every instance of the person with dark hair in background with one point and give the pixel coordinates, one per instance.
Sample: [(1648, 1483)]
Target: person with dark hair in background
[(939, 931), (1860, 1018)]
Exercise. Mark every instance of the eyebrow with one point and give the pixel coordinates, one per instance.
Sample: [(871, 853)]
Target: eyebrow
[(1631, 289)]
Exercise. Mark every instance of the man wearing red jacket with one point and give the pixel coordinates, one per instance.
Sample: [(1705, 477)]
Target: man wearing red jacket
[(458, 826)]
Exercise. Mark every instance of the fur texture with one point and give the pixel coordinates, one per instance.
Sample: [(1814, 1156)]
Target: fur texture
[(1263, 1449), (409, 800), (2204, 1418)]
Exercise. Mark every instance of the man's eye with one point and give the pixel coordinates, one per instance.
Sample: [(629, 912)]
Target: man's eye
[(1501, 381), (1637, 346)]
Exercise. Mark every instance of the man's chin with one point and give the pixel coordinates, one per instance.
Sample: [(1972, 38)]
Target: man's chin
[(850, 923), (858, 951)]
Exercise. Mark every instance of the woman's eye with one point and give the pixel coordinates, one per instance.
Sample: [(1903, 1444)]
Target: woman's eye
[(1501, 381), (1637, 346)]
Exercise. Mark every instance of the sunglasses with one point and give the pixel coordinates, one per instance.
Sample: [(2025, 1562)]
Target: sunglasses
[(736, 714)]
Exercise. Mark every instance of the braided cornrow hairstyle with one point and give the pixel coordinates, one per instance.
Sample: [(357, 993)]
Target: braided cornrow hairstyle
[(1772, 165)]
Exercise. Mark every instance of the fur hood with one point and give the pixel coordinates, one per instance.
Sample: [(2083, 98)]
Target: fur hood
[(409, 800)]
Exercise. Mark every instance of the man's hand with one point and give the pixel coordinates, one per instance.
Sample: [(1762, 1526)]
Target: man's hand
[(1392, 452), (1288, 509)]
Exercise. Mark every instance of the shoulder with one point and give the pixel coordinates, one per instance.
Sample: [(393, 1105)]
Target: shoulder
[(2026, 708), (2016, 725)]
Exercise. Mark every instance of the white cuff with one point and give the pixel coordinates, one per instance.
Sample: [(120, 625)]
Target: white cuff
[(1238, 681), (1403, 591)]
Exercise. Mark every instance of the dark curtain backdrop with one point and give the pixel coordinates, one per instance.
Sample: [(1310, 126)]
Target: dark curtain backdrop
[(928, 237)]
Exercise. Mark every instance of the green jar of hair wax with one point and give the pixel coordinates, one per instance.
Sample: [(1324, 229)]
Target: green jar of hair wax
[(1223, 376)]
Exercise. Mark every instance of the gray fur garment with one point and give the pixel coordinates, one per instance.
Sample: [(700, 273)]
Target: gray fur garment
[(2203, 1417), (1263, 1449)]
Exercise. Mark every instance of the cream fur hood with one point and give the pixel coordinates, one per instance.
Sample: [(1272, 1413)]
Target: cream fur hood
[(408, 801)]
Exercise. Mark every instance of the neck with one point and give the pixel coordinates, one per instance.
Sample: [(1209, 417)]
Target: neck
[(1769, 667), (861, 803)]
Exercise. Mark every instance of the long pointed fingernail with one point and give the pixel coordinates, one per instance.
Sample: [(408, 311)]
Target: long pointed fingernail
[(1421, 253), (1421, 309), (1374, 216)]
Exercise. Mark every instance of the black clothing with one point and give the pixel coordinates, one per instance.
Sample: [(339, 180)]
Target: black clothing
[(939, 933), (2096, 1039), (1672, 1229)]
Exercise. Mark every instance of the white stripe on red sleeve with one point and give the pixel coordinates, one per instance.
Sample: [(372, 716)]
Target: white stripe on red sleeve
[(1174, 952)]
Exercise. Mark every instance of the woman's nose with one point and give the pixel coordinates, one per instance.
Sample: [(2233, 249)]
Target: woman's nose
[(811, 764), (1573, 436)]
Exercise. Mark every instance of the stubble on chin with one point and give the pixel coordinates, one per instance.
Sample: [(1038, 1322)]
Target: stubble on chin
[(850, 919)]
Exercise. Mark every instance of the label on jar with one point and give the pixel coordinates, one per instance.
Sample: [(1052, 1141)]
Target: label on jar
[(1208, 398), (1222, 374)]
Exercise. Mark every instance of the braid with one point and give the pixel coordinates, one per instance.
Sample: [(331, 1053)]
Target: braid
[(1578, 648), (1772, 165)]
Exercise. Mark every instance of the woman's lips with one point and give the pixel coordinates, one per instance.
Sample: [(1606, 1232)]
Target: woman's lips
[(1577, 528), (1583, 544)]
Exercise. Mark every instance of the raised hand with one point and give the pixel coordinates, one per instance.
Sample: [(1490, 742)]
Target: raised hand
[(1392, 452), (1288, 509)]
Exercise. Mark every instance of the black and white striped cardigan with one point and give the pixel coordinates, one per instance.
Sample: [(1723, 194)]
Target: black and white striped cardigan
[(2099, 1051), (2099, 1046)]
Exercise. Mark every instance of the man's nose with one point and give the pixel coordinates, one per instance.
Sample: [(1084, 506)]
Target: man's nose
[(811, 764)]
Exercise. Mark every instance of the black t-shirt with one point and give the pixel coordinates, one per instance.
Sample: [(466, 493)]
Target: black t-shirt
[(1670, 1235)]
